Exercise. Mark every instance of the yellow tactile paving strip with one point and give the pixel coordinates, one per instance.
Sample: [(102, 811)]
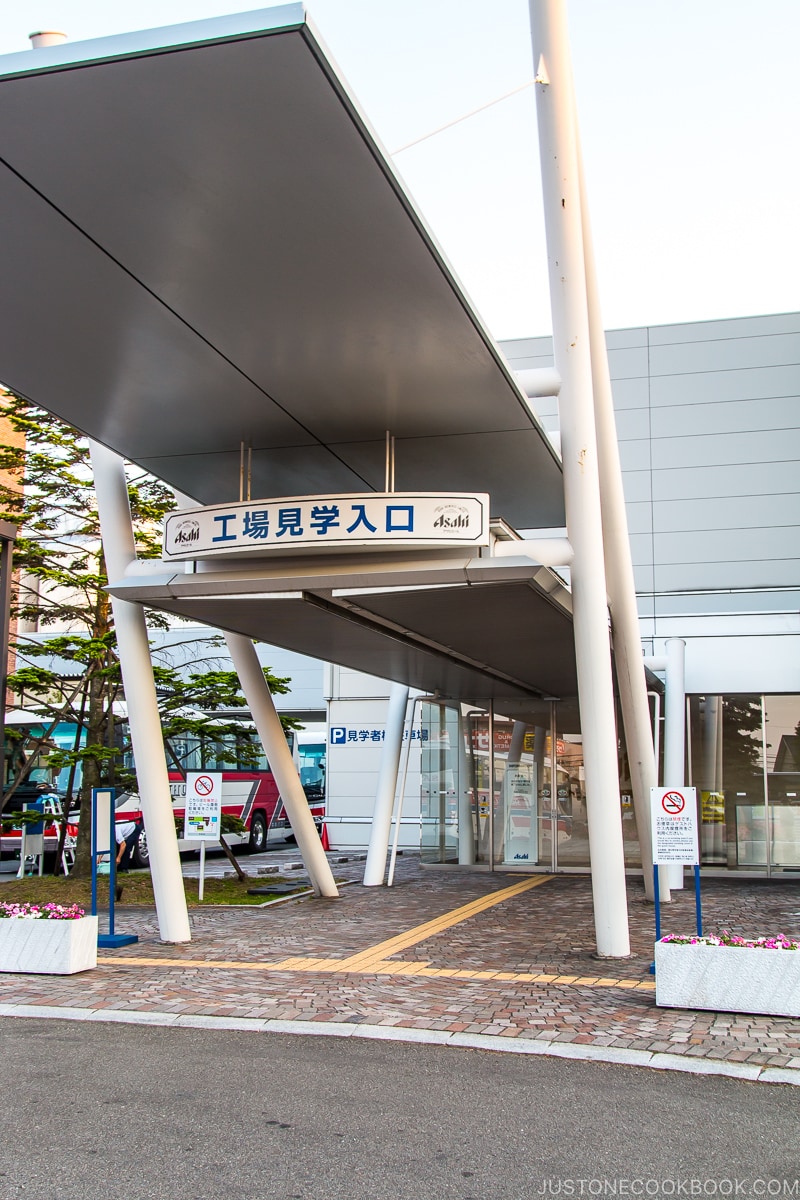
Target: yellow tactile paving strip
[(376, 960), (420, 933)]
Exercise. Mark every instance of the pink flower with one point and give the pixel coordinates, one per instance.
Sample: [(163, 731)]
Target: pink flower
[(778, 941), (47, 912)]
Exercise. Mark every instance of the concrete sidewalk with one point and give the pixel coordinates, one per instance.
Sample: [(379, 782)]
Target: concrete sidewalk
[(465, 957)]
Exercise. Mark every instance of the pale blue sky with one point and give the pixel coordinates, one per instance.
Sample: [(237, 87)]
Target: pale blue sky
[(688, 110)]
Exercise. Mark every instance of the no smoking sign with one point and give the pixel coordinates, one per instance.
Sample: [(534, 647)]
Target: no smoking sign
[(673, 803), (673, 814)]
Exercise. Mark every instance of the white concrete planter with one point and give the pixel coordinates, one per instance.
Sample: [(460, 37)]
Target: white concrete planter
[(30, 947), (728, 979)]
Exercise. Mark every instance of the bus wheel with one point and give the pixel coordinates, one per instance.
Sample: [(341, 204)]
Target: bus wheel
[(258, 833), (141, 855)]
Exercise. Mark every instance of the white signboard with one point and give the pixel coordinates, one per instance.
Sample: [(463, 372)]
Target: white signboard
[(374, 519), (203, 816), (674, 820), (103, 821)]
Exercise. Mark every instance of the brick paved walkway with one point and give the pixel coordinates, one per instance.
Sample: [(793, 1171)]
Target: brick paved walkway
[(514, 969)]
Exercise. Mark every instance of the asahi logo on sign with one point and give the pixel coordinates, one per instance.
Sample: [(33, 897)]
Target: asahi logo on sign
[(451, 516), (379, 520), (186, 532)]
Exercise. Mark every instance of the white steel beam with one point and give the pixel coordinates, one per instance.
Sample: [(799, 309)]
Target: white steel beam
[(119, 548), (561, 187), (279, 756), (625, 633), (375, 866)]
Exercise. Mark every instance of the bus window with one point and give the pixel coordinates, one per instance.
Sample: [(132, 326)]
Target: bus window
[(311, 766)]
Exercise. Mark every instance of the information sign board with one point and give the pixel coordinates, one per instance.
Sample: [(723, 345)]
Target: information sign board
[(674, 822), (203, 813), (339, 522)]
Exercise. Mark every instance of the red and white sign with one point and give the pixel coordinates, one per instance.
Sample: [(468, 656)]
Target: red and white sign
[(673, 813)]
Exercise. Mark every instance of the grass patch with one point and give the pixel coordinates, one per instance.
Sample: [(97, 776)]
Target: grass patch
[(137, 889)]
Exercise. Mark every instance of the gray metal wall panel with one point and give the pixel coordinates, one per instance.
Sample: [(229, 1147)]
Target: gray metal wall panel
[(726, 448), (729, 355), (749, 479), (628, 363), (640, 517), (632, 424), (643, 579), (642, 548), (725, 603), (739, 416), (635, 454), (708, 417), (738, 327), (619, 338), (713, 387), (546, 406), (638, 486), (732, 512), (630, 393), (692, 577), (753, 546)]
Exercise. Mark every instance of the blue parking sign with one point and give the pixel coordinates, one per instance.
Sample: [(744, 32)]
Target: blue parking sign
[(338, 735)]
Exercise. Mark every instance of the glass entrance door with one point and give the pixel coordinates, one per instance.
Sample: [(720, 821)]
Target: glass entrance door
[(500, 790)]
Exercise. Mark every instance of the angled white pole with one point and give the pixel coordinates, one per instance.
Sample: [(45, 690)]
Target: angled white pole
[(561, 188), (279, 756), (626, 637), (119, 548), (375, 866)]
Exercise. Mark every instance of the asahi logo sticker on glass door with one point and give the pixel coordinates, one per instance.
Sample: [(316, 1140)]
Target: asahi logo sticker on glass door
[(378, 520)]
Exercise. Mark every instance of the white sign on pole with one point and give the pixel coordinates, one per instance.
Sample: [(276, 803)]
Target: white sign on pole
[(371, 519), (203, 816), (673, 812), (104, 821)]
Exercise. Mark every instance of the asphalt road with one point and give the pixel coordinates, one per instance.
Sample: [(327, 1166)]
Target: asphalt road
[(113, 1111)]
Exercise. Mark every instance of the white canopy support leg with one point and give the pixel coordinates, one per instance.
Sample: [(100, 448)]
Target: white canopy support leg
[(375, 866), (145, 723), (625, 633), (561, 188), (279, 756)]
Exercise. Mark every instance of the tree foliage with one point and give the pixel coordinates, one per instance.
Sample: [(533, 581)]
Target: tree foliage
[(63, 636)]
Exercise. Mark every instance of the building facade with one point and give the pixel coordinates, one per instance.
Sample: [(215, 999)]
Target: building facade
[(708, 420)]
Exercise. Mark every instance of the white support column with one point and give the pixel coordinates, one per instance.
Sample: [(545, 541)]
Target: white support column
[(375, 866), (675, 729), (626, 637), (145, 723), (268, 724), (561, 187)]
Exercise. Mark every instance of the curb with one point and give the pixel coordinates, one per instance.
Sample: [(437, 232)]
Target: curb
[(427, 1037)]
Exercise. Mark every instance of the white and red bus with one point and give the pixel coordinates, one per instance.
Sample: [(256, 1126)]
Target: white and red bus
[(249, 790)]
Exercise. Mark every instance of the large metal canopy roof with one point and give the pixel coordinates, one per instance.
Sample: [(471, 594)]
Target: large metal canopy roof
[(483, 628), (203, 246)]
